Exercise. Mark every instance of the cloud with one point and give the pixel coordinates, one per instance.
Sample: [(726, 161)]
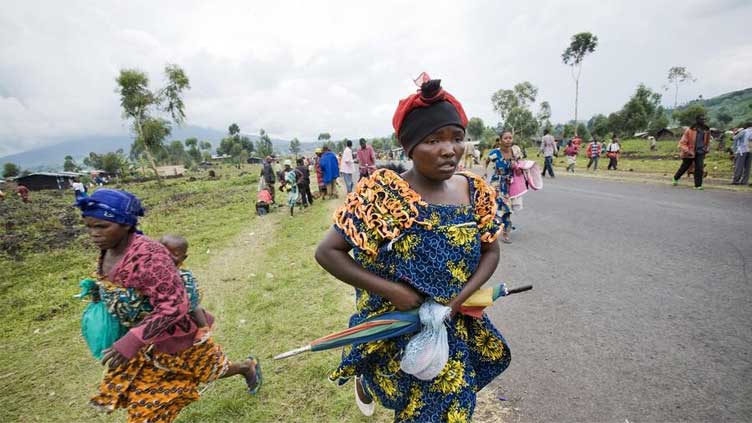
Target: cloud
[(300, 68)]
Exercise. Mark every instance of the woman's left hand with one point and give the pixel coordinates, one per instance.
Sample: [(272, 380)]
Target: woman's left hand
[(114, 357), (455, 308)]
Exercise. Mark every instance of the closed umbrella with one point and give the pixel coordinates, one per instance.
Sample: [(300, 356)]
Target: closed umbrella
[(396, 323)]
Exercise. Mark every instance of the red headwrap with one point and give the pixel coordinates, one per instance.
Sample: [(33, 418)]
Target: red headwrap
[(430, 93)]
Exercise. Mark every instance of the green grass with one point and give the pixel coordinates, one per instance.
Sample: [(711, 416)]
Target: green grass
[(47, 374)]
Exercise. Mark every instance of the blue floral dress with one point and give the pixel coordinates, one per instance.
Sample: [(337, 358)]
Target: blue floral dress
[(500, 180), (435, 248)]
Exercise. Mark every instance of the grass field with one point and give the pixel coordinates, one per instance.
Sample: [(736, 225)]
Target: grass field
[(259, 280)]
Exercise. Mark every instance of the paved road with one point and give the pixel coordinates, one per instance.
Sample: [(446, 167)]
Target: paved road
[(642, 308)]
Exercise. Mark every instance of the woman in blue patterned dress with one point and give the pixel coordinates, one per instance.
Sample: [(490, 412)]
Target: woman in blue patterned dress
[(425, 234), (504, 155)]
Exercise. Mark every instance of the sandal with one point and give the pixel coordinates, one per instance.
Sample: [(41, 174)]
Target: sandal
[(505, 238), (366, 408), (254, 384)]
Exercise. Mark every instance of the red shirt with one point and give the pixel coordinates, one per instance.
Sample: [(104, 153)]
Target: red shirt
[(367, 158)]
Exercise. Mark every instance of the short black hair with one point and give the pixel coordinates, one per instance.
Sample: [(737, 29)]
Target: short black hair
[(348, 143), (546, 132)]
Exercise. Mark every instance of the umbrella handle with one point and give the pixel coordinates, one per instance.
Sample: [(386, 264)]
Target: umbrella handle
[(291, 353), (520, 289)]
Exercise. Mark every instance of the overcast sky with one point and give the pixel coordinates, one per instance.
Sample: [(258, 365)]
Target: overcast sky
[(300, 68)]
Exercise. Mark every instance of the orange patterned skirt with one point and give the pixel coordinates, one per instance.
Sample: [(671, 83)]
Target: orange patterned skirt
[(154, 386)]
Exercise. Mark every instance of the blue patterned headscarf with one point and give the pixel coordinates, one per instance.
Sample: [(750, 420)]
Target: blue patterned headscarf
[(112, 205)]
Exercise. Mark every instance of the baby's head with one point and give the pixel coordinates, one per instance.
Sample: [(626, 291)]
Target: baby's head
[(178, 247)]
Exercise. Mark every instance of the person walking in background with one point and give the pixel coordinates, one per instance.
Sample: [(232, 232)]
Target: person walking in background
[(330, 171), (743, 157), (79, 189), (347, 167), (468, 156), (549, 149), (366, 159), (594, 153), (612, 152), (304, 187), (319, 172), (505, 158), (292, 180), (571, 153), (692, 148)]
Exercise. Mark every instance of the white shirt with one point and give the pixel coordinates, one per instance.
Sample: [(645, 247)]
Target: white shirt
[(78, 186), (614, 147), (347, 165)]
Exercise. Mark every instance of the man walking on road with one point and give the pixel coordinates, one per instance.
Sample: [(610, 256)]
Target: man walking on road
[(613, 151), (692, 148), (548, 147), (743, 159), (594, 153)]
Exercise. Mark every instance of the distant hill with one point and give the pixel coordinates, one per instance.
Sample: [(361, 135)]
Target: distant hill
[(738, 104), (51, 157)]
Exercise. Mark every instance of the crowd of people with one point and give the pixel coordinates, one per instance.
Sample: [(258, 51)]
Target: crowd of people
[(328, 168)]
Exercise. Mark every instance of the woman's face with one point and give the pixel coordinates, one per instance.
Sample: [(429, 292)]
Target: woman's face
[(506, 139), (105, 234), (436, 157)]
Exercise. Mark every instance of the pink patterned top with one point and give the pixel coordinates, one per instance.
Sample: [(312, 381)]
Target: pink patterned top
[(148, 267)]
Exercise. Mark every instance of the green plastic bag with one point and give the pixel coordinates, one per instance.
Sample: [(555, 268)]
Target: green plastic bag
[(99, 328)]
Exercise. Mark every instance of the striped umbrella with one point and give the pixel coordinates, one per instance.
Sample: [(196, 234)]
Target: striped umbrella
[(396, 323)]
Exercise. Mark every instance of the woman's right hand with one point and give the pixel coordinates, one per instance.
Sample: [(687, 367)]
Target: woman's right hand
[(405, 297)]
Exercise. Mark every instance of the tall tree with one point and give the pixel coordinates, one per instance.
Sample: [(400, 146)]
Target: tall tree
[(580, 45), (295, 146), (141, 106), (640, 111), (234, 129), (10, 170), (264, 144), (678, 75), (69, 165), (475, 128), (503, 102), (325, 136), (598, 125), (512, 106)]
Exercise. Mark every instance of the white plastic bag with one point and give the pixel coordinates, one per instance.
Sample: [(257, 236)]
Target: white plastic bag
[(427, 352)]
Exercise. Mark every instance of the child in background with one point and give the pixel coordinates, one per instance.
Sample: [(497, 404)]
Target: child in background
[(178, 247), (263, 202)]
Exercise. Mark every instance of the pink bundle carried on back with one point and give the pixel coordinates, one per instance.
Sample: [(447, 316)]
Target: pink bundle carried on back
[(527, 175)]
